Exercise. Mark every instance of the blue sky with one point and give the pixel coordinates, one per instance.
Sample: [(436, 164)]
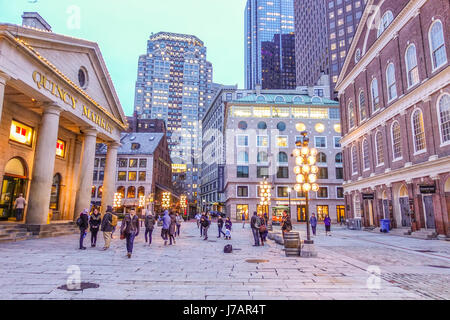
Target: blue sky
[(122, 27)]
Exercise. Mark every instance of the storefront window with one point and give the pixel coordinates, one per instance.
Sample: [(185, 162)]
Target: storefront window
[(54, 196), (241, 209), (261, 112), (301, 213), (322, 212), (60, 148), (100, 192), (21, 133), (131, 193)]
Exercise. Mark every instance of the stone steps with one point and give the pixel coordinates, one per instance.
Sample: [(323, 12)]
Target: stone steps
[(424, 234), (400, 231), (19, 232)]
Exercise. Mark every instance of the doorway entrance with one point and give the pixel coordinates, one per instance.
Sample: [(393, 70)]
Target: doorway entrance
[(14, 183), (404, 207), (429, 212), (301, 213), (340, 211)]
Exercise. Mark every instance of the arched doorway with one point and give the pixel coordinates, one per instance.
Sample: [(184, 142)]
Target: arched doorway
[(385, 200), (403, 199), (14, 183), (56, 191)]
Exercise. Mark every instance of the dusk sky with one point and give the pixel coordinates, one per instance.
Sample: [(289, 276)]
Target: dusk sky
[(121, 28)]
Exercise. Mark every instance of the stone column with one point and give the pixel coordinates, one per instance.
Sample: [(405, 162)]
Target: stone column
[(44, 164), (85, 179), (3, 79), (109, 183)]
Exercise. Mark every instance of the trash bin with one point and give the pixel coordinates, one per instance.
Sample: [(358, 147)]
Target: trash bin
[(384, 225)]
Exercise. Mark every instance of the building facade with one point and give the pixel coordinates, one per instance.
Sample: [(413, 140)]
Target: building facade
[(174, 83), (144, 169), (269, 22), (311, 43), (212, 182), (56, 102), (395, 106), (146, 125), (260, 133), (343, 17)]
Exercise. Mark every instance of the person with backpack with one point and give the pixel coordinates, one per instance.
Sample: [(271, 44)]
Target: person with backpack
[(327, 222), (108, 225), (83, 224), (129, 230), (228, 226), (94, 222), (198, 216), (255, 223), (172, 228), (263, 229), (165, 226), (179, 221), (286, 224), (220, 226), (205, 225), (313, 223), (149, 227)]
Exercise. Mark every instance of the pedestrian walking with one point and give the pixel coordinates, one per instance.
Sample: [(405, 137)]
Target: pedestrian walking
[(243, 220), (108, 226), (179, 220), (165, 226), (95, 221), (263, 229), (19, 206), (172, 228), (149, 227), (83, 224), (327, 222), (202, 217), (220, 226), (313, 223), (129, 230), (228, 226), (205, 226), (286, 224), (115, 217), (255, 223), (198, 216)]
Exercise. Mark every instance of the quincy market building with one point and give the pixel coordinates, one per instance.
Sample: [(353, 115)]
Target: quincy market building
[(57, 101)]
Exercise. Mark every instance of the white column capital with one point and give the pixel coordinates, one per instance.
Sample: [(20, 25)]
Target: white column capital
[(52, 108), (113, 145), (90, 132)]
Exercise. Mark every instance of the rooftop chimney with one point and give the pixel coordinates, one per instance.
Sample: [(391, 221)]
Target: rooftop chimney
[(34, 20)]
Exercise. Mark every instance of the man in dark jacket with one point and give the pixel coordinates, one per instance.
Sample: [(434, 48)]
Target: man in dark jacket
[(94, 222), (220, 226), (107, 227), (149, 227), (130, 229), (255, 223), (205, 225), (83, 224)]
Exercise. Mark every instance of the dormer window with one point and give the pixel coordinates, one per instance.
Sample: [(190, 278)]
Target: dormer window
[(135, 146)]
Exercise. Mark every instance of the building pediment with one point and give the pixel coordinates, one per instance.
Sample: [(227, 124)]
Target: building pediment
[(67, 56)]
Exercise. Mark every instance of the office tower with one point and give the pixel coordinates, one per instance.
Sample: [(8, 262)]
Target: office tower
[(174, 83), (268, 21)]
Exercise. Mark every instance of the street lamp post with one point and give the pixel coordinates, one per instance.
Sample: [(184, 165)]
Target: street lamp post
[(306, 178), (289, 192), (264, 192)]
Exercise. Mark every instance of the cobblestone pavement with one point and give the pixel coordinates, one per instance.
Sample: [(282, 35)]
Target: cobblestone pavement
[(197, 269)]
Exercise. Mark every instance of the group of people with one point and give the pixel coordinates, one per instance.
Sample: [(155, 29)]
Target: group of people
[(286, 224), (258, 224), (129, 229), (204, 222)]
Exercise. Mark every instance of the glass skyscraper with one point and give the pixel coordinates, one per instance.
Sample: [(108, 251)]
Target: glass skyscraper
[(174, 83), (267, 21)]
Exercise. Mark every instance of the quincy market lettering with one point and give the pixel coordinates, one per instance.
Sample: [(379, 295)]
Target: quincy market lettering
[(43, 82)]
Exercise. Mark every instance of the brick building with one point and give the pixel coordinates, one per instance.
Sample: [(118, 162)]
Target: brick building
[(395, 107)]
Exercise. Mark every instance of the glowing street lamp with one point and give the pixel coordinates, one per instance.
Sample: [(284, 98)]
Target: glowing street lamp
[(306, 173), (264, 192), (165, 200), (117, 203)]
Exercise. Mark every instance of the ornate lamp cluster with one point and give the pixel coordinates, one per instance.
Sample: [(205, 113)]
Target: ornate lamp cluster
[(305, 169), (264, 192), (183, 200), (117, 203), (166, 200), (142, 201)]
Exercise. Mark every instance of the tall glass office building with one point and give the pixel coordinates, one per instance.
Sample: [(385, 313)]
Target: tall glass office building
[(267, 21), (174, 83)]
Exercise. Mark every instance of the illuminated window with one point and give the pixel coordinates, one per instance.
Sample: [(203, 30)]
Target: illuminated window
[(133, 163), (21, 133), (320, 127), (298, 112), (300, 127), (337, 128), (262, 141), (319, 113), (280, 112), (132, 176), (60, 148), (261, 112), (240, 112), (282, 141)]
